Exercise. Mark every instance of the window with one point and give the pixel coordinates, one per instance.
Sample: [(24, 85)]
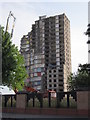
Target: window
[(54, 80), (39, 73), (43, 44), (57, 25), (37, 83), (31, 62), (57, 21), (43, 35), (57, 29), (27, 45), (35, 74), (57, 17), (58, 63), (57, 33), (50, 85), (49, 75), (60, 80), (57, 46), (57, 37), (60, 75), (61, 90), (43, 27), (58, 59), (54, 70), (50, 80), (31, 75), (57, 42), (60, 70), (38, 69), (54, 85), (60, 85), (35, 70), (54, 75), (42, 73), (57, 54), (54, 89), (57, 50)]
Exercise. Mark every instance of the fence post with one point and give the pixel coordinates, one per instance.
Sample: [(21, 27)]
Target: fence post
[(68, 104), (5, 102), (41, 103), (83, 100), (49, 99), (58, 105), (33, 100), (11, 101), (21, 100)]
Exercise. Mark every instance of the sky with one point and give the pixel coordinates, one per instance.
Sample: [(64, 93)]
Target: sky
[(27, 12)]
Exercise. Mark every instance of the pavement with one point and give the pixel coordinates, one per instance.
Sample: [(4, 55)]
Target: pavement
[(10, 116)]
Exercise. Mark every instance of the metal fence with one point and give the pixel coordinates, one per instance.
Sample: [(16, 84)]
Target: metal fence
[(9, 100), (62, 99)]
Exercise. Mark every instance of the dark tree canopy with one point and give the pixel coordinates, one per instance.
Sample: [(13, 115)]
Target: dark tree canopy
[(13, 69), (80, 80), (88, 30)]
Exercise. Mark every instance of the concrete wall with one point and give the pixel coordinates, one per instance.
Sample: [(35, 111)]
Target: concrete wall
[(21, 101), (83, 98), (0, 106), (83, 107)]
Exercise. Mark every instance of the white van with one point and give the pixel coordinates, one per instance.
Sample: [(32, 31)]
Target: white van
[(5, 90)]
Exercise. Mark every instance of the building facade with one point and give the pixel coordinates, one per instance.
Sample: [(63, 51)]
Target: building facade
[(25, 51), (50, 53)]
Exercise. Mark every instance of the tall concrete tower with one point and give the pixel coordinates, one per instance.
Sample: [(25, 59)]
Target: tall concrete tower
[(89, 35), (50, 61)]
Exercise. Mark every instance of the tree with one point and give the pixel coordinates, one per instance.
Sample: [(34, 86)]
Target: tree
[(88, 30), (13, 69), (80, 80), (71, 82), (88, 33)]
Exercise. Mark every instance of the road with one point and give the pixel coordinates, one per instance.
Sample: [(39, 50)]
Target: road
[(10, 116)]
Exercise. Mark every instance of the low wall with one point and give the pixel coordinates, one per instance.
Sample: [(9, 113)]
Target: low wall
[(21, 101), (83, 100), (83, 106), (48, 111)]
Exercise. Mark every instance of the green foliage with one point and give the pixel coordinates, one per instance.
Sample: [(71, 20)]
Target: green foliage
[(63, 103), (13, 69), (80, 80), (71, 82), (88, 30)]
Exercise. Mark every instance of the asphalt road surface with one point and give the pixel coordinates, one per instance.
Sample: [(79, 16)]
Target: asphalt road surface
[(10, 116)]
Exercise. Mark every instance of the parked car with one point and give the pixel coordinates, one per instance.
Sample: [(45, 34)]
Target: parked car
[(5, 90)]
